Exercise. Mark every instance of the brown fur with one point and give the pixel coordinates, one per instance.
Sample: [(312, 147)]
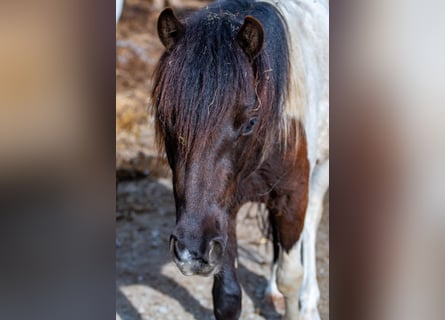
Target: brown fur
[(282, 182)]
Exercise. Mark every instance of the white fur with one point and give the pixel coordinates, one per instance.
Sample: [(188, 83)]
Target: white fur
[(272, 289), (308, 23), (289, 275), (310, 293)]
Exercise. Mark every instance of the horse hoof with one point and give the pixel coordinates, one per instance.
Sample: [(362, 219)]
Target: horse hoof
[(309, 314), (274, 302)]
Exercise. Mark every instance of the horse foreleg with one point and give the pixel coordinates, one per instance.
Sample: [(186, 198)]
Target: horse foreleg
[(226, 289), (288, 268), (289, 279), (310, 293)]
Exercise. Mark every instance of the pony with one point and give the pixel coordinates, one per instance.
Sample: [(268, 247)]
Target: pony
[(240, 101)]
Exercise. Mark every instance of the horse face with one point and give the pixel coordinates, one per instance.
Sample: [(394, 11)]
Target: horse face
[(206, 108), (206, 183)]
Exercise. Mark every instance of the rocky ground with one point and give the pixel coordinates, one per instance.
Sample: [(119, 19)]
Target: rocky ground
[(148, 285)]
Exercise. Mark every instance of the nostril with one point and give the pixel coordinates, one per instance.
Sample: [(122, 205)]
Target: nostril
[(175, 247), (216, 249)]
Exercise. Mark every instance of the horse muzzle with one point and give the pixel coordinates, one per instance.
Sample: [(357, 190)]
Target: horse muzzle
[(193, 262)]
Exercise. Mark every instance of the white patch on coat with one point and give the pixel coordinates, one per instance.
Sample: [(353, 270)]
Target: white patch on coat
[(308, 96)]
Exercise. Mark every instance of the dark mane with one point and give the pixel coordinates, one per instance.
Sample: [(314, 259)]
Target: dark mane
[(205, 73)]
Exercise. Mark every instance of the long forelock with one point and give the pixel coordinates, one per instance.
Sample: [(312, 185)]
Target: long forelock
[(205, 76), (200, 80)]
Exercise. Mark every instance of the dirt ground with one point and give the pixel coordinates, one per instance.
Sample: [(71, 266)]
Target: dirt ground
[(148, 285)]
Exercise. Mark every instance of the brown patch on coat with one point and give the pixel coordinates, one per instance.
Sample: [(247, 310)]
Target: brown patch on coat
[(282, 182)]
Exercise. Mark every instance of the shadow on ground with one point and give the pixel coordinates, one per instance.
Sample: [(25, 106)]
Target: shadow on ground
[(148, 285)]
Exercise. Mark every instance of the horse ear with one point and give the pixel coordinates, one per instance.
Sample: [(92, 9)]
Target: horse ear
[(170, 30), (251, 37)]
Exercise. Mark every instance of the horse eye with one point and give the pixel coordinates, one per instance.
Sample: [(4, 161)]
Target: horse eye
[(248, 128)]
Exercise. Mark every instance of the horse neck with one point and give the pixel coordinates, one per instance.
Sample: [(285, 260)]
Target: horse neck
[(309, 60)]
